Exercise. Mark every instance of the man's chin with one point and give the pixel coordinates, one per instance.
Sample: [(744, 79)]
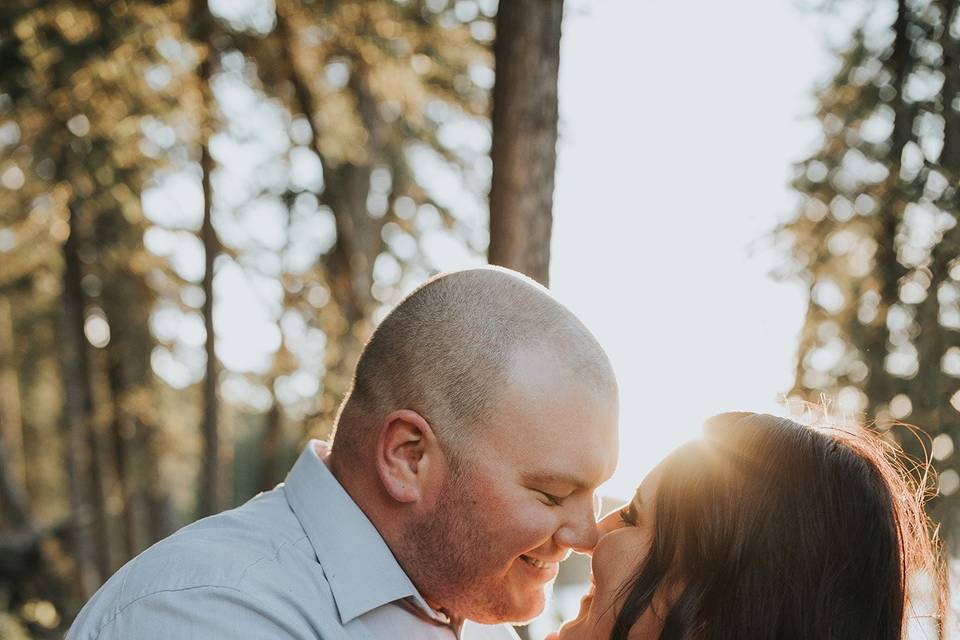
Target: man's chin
[(519, 615)]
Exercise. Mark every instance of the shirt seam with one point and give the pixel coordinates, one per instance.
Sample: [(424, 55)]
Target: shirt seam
[(116, 614), (273, 558)]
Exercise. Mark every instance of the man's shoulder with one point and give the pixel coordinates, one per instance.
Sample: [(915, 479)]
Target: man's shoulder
[(244, 551), (220, 549)]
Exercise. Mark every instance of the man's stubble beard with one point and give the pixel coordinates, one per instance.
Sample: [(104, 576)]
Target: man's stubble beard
[(448, 550)]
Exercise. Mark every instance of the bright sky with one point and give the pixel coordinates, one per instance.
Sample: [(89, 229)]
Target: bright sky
[(680, 123)]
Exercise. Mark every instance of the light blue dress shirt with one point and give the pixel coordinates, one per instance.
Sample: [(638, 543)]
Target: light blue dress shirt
[(299, 562)]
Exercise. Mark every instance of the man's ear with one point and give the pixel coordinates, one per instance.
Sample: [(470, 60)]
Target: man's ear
[(409, 458)]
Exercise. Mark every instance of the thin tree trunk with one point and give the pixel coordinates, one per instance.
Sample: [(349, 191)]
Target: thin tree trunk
[(147, 442), (950, 154), (77, 416), (338, 185), (524, 149), (13, 498), (211, 488), (879, 388), (270, 445), (11, 419), (349, 264), (156, 498), (128, 301), (121, 432), (931, 385), (98, 472)]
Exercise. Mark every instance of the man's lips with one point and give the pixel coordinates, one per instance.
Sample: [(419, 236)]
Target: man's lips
[(547, 570), (537, 562)]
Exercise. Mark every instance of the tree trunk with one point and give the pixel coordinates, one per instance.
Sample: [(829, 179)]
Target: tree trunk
[(950, 154), (156, 498), (348, 266), (340, 260), (77, 417), (879, 386), (16, 506), (936, 415), (98, 470), (212, 485), (128, 301), (11, 420), (211, 489), (121, 432), (524, 148), (270, 446)]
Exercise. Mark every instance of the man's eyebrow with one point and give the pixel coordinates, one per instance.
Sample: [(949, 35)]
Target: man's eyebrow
[(553, 478)]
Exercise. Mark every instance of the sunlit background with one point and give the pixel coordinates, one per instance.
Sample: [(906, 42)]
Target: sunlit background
[(681, 128), (668, 192)]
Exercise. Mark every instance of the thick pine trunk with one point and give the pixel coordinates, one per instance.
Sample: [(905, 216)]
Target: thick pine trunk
[(524, 149)]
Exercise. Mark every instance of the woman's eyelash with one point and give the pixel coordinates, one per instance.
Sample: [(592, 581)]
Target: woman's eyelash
[(627, 516)]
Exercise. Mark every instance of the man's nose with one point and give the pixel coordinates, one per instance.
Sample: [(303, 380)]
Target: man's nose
[(579, 530)]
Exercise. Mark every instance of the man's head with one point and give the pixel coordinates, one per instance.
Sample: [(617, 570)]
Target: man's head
[(481, 418)]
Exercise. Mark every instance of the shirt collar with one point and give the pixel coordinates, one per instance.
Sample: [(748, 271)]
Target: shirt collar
[(362, 572)]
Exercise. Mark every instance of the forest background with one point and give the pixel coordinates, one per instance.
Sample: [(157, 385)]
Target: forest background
[(205, 209)]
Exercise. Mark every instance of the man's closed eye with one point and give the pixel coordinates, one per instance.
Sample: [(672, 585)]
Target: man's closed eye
[(552, 499)]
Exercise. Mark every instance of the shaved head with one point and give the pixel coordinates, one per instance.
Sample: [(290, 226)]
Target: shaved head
[(447, 352)]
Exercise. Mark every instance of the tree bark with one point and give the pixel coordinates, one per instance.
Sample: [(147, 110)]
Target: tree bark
[(78, 417), (121, 432), (932, 388), (950, 154), (127, 301), (270, 446), (211, 487), (349, 264), (524, 146), (879, 386), (11, 419), (13, 498), (337, 185)]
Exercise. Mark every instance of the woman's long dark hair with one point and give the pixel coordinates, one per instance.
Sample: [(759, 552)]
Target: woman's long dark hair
[(768, 529)]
